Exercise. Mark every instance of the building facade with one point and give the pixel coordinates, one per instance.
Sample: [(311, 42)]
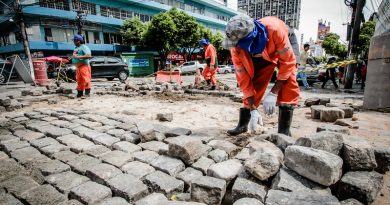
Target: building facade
[(287, 10), (50, 25)]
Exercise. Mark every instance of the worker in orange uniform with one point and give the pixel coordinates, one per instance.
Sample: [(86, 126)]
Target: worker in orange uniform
[(257, 47), (211, 63), (80, 57)]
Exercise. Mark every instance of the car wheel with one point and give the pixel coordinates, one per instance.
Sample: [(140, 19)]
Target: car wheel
[(3, 78), (201, 70), (110, 79), (123, 76), (226, 72)]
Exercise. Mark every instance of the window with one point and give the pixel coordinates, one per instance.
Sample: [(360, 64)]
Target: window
[(96, 37), (106, 38), (98, 60), (48, 34), (112, 60), (88, 8), (59, 4)]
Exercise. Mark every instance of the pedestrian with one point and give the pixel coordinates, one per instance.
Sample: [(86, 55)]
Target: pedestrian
[(211, 63), (330, 74), (302, 66), (80, 59), (257, 47), (364, 75)]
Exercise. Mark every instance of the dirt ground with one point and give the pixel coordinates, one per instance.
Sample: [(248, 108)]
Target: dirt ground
[(212, 116)]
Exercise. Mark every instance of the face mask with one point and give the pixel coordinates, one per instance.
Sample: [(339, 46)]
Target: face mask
[(255, 41)]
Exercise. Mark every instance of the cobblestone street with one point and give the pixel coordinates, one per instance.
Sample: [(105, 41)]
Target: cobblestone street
[(156, 150)]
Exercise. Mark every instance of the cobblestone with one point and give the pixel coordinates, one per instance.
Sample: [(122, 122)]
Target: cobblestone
[(27, 154), (163, 183), (156, 146), (76, 143), (116, 158), (13, 145), (83, 162), (65, 181), (145, 156), (90, 192), (126, 147), (114, 201), (65, 156), (96, 150), (100, 173), (10, 168), (203, 164), (120, 187), (19, 185), (28, 135), (44, 194), (53, 167), (169, 165), (50, 150), (137, 169), (106, 140), (43, 142)]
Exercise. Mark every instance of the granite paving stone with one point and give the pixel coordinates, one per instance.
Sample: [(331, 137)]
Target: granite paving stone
[(19, 185), (106, 140), (120, 187), (76, 143), (90, 192), (137, 169), (101, 173), (126, 147), (163, 183), (83, 162), (65, 156), (169, 165), (145, 156), (43, 142), (156, 146), (65, 181), (116, 158), (28, 135), (45, 194), (96, 150)]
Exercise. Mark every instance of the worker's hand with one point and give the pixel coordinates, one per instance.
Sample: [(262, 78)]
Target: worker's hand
[(269, 103), (256, 119), (75, 56)]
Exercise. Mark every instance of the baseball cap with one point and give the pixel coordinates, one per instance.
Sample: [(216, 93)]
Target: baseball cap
[(203, 42), (237, 27), (78, 38)]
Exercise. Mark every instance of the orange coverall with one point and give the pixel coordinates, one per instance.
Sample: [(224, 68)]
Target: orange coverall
[(209, 73), (83, 77), (253, 79)]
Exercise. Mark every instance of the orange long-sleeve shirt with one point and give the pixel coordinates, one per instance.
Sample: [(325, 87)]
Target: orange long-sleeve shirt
[(278, 51), (211, 54)]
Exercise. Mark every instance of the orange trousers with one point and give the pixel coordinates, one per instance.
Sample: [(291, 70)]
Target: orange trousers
[(288, 95), (209, 74), (83, 77)]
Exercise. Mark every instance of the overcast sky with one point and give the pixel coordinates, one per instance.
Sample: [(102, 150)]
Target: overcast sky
[(334, 11)]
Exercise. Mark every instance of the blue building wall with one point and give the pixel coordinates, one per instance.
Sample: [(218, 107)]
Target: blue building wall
[(107, 25)]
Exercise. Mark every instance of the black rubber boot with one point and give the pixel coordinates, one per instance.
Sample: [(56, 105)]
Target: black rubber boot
[(87, 92), (208, 82), (245, 116), (285, 119), (212, 87), (79, 94)]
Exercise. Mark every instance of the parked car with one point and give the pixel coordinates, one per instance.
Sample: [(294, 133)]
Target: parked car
[(224, 69), (107, 67), (7, 65), (191, 66)]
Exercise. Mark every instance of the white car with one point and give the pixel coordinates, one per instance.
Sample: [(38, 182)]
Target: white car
[(191, 66), (224, 69)]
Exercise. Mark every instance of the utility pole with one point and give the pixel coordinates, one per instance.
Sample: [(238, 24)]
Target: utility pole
[(22, 26), (357, 18), (79, 18)]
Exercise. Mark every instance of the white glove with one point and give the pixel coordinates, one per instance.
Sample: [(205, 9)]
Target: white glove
[(255, 120), (269, 103)]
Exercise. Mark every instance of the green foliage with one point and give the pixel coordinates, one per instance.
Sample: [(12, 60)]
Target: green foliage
[(320, 59), (332, 46), (366, 33), (132, 30), (161, 35)]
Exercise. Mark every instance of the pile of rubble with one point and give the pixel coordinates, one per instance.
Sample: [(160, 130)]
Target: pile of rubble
[(66, 156), (325, 111)]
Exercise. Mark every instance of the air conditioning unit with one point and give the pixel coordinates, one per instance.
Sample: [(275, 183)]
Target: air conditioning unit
[(111, 16)]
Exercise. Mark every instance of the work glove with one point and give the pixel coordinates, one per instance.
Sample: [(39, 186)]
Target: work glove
[(269, 103), (256, 119)]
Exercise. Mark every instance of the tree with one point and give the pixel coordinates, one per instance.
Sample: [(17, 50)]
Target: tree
[(132, 30), (188, 31), (366, 33), (161, 35), (332, 46)]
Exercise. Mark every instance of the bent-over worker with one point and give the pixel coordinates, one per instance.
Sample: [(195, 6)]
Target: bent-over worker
[(257, 47)]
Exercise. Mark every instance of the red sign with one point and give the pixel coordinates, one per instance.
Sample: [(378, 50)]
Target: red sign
[(174, 56)]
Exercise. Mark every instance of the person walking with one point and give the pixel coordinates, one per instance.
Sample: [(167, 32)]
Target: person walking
[(211, 63), (302, 66), (330, 74), (80, 59), (257, 47), (364, 75)]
